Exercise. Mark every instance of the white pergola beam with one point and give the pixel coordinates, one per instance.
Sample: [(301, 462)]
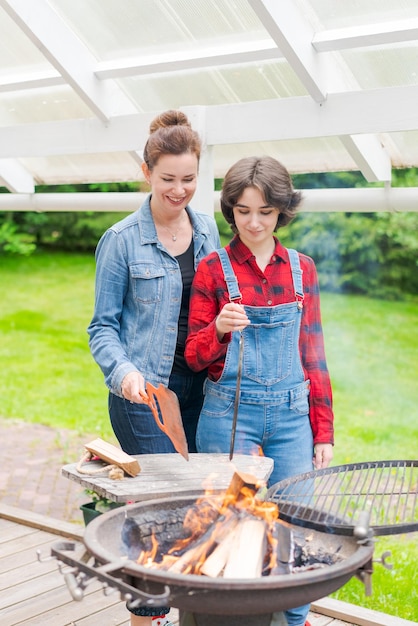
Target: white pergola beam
[(35, 80), (67, 54), (15, 177), (293, 35), (388, 109), (376, 111), (360, 200), (365, 36), (369, 154), (220, 55)]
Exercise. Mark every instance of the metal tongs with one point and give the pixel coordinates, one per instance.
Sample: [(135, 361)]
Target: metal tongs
[(165, 408)]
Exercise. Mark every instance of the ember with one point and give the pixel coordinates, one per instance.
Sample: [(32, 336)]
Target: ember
[(232, 535)]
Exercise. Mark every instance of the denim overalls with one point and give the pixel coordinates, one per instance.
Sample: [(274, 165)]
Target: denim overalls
[(273, 410)]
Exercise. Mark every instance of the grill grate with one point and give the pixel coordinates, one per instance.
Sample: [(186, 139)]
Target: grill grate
[(335, 499)]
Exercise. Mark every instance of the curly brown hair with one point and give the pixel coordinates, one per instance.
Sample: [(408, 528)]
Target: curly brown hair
[(270, 177), (170, 133)]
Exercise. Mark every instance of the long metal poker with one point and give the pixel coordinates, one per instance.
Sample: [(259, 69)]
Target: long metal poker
[(237, 394)]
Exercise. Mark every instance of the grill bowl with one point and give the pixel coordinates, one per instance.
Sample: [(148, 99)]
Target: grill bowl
[(219, 596)]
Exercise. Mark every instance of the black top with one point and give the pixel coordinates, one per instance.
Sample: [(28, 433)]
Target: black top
[(186, 262)]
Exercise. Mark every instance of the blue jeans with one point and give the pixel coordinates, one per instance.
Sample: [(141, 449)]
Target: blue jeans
[(135, 427)]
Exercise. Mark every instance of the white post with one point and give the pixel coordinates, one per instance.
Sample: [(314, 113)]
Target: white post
[(204, 199)]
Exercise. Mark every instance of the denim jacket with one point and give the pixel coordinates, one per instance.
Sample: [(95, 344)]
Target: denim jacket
[(138, 297)]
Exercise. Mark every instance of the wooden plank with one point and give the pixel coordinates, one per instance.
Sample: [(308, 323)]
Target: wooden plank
[(19, 575), (94, 603), (115, 615), (24, 518), (9, 531), (21, 591), (163, 475), (30, 540), (56, 607), (20, 559), (357, 615), (316, 619)]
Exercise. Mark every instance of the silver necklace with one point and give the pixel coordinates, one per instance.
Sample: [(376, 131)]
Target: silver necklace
[(173, 235)]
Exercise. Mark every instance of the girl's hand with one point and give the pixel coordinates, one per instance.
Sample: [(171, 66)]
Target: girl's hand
[(322, 455), (231, 317), (133, 385)]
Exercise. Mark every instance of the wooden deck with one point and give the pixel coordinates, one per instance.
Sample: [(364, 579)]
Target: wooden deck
[(34, 593)]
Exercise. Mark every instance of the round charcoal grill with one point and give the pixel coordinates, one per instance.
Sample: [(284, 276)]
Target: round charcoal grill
[(337, 510)]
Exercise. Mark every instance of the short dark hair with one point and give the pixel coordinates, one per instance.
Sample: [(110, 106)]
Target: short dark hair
[(170, 133), (270, 177)]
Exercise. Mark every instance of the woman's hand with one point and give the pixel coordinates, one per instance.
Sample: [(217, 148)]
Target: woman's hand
[(133, 385), (231, 317), (323, 454)]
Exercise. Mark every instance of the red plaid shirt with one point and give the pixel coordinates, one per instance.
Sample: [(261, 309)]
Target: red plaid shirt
[(269, 288)]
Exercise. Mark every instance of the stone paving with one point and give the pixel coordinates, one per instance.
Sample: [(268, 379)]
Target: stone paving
[(32, 456)]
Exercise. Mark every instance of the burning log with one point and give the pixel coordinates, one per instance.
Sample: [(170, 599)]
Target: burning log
[(246, 556), (283, 549), (239, 481), (138, 533), (194, 558), (215, 563)]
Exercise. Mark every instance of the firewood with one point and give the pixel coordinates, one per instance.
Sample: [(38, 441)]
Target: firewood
[(166, 526), (247, 551), (238, 481), (216, 561), (112, 454), (283, 549), (196, 554)]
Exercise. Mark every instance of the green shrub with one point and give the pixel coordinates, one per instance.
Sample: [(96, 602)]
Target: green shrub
[(14, 242)]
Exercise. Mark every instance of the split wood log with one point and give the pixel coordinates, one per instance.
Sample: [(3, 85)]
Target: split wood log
[(246, 556), (196, 555), (283, 546), (111, 454), (215, 563), (238, 481)]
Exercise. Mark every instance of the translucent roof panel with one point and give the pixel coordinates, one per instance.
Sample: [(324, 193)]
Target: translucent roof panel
[(84, 168), (322, 85), (155, 27), (328, 14)]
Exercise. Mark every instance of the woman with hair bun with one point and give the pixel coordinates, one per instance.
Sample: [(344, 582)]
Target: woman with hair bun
[(255, 309), (144, 270)]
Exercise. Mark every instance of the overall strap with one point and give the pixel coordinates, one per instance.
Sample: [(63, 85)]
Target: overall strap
[(229, 275), (296, 276)]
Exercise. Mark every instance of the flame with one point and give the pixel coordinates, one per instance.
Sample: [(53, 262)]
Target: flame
[(210, 521)]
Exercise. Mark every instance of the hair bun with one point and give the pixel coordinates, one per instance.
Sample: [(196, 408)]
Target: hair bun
[(169, 118)]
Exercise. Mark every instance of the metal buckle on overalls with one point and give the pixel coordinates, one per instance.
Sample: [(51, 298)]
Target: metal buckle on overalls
[(237, 299), (299, 301)]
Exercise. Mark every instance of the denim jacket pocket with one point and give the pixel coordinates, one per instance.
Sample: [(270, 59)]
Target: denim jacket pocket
[(147, 281)]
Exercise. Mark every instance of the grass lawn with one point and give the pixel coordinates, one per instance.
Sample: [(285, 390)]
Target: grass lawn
[(49, 376)]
